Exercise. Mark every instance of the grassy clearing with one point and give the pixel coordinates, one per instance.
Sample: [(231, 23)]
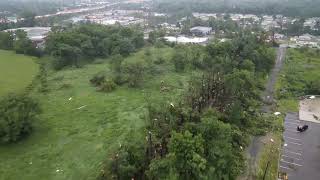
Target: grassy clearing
[(301, 67), (76, 141), (16, 71)]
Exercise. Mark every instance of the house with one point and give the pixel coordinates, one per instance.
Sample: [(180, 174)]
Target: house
[(201, 31)]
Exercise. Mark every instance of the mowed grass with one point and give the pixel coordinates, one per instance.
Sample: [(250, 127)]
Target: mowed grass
[(71, 143), (16, 72)]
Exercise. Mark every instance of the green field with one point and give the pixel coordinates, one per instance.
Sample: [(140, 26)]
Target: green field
[(300, 68), (76, 141), (16, 72)]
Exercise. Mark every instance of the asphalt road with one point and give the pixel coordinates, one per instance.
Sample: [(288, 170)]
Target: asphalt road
[(300, 157), (256, 144)]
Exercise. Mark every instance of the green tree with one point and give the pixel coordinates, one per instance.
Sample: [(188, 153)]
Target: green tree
[(28, 19), (66, 55), (135, 71), (6, 40), (187, 152), (179, 60), (17, 112)]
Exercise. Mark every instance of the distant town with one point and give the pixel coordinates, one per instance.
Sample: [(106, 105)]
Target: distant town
[(110, 13)]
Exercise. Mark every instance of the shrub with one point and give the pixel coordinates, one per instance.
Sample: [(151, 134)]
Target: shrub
[(16, 115), (107, 86), (159, 60), (98, 79)]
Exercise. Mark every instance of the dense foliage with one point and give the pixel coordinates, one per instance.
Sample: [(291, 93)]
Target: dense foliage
[(16, 115), (85, 42), (19, 42), (201, 135)]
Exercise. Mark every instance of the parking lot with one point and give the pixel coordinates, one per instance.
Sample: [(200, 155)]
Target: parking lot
[(300, 157)]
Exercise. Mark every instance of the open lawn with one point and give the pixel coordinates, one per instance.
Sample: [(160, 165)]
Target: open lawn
[(16, 72), (80, 127)]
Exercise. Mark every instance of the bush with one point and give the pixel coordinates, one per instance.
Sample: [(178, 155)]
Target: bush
[(159, 60), (107, 86), (16, 115), (98, 79)]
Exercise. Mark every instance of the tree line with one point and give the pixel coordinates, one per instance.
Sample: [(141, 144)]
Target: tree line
[(85, 42), (19, 42)]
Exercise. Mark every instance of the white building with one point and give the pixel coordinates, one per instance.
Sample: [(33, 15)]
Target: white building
[(187, 40), (201, 31)]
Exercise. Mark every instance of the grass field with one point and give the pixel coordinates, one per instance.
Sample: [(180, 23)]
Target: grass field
[(301, 67), (16, 72), (70, 143)]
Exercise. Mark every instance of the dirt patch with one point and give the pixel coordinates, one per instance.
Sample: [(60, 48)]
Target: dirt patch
[(310, 109)]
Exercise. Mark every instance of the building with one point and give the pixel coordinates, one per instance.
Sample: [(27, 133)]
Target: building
[(201, 31), (187, 40)]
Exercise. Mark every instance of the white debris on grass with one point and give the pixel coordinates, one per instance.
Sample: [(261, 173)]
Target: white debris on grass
[(171, 104), (59, 170), (70, 98), (285, 145), (82, 107), (277, 113), (271, 140)]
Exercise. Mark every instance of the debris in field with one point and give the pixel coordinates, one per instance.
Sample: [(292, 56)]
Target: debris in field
[(312, 97), (59, 170), (271, 140), (82, 107), (172, 105), (70, 98), (277, 113)]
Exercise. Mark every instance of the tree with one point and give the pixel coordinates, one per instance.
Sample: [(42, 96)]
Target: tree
[(89, 41), (188, 155), (24, 46), (66, 55), (126, 47), (152, 37), (129, 161), (218, 146), (28, 19), (179, 60), (6, 40), (135, 71), (17, 112)]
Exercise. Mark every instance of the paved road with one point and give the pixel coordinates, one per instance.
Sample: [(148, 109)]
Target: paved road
[(268, 96), (300, 157)]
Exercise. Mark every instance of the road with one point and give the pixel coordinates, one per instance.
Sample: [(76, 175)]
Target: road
[(256, 144)]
